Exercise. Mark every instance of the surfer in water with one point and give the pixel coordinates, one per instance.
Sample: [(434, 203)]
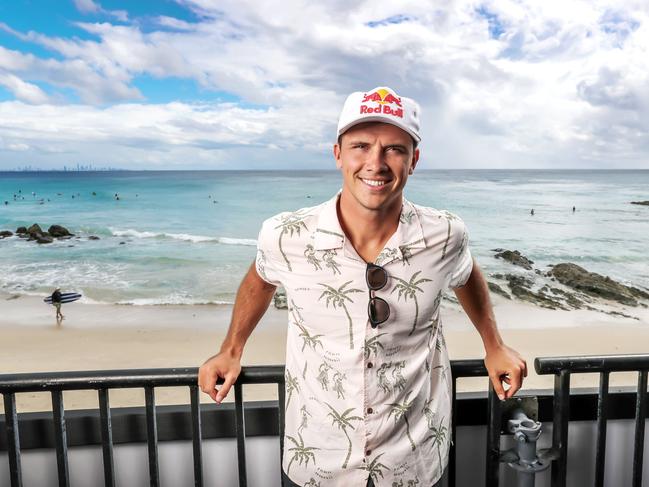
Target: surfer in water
[(56, 302)]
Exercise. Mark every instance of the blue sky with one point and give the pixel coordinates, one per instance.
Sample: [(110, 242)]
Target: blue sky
[(181, 84)]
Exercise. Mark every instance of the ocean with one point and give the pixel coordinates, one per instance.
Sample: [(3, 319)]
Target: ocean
[(188, 237)]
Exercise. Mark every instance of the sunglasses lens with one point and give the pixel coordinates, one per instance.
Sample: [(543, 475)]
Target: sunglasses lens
[(379, 311), (377, 277)]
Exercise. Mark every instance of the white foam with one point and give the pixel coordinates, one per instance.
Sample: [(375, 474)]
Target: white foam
[(238, 241), (170, 300), (185, 237)]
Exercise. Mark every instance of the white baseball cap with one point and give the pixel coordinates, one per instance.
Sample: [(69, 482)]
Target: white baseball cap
[(382, 104)]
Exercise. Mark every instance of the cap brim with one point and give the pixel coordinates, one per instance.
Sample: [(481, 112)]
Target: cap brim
[(382, 120)]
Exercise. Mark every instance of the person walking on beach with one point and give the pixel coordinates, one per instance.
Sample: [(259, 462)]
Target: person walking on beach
[(56, 302), (368, 379)]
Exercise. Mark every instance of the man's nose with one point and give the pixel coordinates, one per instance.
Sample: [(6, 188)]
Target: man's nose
[(375, 160)]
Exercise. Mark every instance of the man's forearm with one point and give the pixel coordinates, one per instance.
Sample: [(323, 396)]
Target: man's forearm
[(503, 363), (474, 298), (253, 298)]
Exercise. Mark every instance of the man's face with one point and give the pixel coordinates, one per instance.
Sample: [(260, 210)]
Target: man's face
[(375, 160)]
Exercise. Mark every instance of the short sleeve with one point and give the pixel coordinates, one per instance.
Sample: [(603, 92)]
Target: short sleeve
[(462, 259), (265, 262)]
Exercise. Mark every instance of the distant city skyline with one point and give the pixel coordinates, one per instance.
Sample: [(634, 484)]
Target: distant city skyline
[(201, 84)]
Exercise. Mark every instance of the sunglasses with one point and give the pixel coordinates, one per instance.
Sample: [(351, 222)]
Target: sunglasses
[(377, 309)]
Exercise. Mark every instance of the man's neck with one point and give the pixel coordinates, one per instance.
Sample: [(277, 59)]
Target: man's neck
[(367, 230)]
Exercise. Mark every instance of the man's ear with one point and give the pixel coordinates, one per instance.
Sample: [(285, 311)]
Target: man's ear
[(337, 156), (415, 159)]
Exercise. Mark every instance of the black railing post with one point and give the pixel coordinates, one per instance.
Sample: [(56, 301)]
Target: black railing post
[(152, 436), (493, 439), (194, 394), (602, 416), (561, 416), (106, 438), (640, 415), (60, 438), (13, 439), (240, 426)]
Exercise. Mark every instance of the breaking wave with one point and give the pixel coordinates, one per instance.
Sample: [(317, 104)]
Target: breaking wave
[(185, 237)]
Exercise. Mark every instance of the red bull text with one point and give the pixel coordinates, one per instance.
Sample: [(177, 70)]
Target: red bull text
[(384, 98)]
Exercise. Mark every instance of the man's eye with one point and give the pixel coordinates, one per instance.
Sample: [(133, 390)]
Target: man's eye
[(397, 149)]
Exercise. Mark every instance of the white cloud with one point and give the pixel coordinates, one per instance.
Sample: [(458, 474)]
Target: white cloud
[(87, 6), (92, 7), (502, 83), (23, 90)]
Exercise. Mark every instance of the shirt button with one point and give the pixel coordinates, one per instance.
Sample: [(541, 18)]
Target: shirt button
[(370, 365), (368, 452), (370, 410)]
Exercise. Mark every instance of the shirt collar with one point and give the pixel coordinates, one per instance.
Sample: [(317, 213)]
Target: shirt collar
[(406, 241), (328, 233)]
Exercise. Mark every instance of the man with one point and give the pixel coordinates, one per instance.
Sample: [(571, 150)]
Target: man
[(56, 302), (368, 384)]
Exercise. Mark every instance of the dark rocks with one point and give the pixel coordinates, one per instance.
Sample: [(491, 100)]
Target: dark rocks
[(93, 237), (623, 315), (43, 239), (36, 233), (515, 258), (578, 289), (5, 234), (58, 231), (34, 229), (495, 288), (521, 288), (594, 284), (644, 203)]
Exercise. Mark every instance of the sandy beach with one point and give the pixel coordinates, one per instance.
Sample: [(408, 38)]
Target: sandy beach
[(102, 337)]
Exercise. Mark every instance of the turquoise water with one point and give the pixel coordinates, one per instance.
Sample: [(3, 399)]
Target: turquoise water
[(189, 236)]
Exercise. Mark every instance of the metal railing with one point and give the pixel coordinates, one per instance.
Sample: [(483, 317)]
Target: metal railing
[(103, 381), (562, 368)]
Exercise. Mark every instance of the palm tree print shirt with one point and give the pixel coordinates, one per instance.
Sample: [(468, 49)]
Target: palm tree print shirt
[(360, 401)]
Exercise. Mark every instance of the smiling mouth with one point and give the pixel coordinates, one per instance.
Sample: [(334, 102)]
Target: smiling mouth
[(375, 183)]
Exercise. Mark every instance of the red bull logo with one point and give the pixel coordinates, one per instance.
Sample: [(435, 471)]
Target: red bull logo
[(384, 99)]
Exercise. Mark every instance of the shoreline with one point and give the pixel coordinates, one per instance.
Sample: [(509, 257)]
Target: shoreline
[(104, 337)]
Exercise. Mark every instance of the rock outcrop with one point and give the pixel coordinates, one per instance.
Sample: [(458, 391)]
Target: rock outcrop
[(593, 284), (515, 257), (58, 231), (645, 203), (37, 234), (578, 289)]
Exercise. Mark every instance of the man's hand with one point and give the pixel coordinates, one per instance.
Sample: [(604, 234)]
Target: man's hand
[(505, 364), (218, 366), (253, 298)]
